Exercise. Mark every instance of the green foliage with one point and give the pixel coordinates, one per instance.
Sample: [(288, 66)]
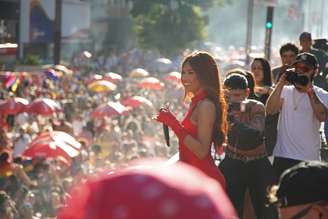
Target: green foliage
[(169, 25), (30, 60)]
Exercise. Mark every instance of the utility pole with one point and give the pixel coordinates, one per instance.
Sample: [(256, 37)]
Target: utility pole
[(249, 30), (268, 32), (20, 50), (57, 32)]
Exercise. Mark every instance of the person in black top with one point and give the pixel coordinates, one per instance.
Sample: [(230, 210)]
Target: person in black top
[(246, 165)]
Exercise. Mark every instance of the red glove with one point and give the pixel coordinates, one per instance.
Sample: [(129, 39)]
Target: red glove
[(167, 118)]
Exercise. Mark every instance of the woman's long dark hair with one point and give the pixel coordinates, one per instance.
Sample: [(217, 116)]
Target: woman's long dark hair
[(267, 75), (208, 74)]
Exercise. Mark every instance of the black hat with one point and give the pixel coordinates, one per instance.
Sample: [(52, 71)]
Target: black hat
[(305, 35), (308, 59), (304, 183)]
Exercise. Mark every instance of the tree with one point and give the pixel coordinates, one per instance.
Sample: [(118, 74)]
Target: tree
[(169, 25)]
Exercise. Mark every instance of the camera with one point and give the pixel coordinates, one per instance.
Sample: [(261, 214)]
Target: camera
[(294, 78)]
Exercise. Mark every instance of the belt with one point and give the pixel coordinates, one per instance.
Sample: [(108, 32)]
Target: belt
[(260, 149), (242, 157)]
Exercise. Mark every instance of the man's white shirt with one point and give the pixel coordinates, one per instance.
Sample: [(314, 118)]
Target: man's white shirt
[(298, 128)]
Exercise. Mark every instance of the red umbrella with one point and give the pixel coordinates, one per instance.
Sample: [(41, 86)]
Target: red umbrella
[(152, 190), (113, 77), (110, 109), (53, 144), (137, 101), (13, 106), (151, 83), (173, 77), (43, 106)]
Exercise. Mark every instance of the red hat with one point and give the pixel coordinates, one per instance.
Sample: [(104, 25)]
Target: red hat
[(150, 191)]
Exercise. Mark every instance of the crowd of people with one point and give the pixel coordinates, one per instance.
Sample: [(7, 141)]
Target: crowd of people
[(245, 127)]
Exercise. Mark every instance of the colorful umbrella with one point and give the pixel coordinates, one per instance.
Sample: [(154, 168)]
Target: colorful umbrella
[(13, 106), (113, 77), (43, 106), (136, 101), (52, 74), (101, 86), (53, 144), (151, 83), (110, 109), (173, 77), (138, 73), (9, 79)]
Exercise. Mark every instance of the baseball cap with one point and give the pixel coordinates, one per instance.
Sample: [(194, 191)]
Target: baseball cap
[(308, 59), (150, 190), (304, 183)]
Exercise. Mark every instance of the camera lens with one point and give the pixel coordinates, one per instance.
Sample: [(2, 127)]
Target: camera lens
[(302, 80)]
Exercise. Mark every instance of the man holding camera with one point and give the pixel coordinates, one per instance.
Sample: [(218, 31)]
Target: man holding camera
[(245, 165), (302, 107)]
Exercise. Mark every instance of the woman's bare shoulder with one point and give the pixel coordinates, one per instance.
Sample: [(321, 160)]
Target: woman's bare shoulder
[(206, 106)]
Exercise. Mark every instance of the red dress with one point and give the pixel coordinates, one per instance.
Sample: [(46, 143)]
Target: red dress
[(206, 164)]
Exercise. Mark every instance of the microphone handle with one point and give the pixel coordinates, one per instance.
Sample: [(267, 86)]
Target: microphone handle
[(166, 134)]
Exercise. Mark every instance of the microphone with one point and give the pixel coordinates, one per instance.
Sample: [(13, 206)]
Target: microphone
[(166, 134)]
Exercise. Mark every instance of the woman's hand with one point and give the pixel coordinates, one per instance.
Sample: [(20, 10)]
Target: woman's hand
[(167, 118)]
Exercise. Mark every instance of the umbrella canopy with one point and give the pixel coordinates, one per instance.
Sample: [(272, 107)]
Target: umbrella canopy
[(93, 78), (43, 106), (53, 144), (101, 86), (136, 101), (13, 106), (163, 64), (138, 73), (63, 69), (173, 77), (52, 74), (148, 191), (151, 83), (110, 109), (164, 61), (113, 77)]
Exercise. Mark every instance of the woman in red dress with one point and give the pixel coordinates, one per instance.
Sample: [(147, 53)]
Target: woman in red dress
[(205, 122)]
